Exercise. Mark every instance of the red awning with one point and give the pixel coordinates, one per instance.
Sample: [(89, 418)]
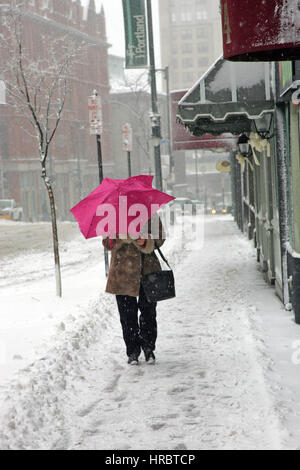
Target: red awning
[(261, 30), (183, 140)]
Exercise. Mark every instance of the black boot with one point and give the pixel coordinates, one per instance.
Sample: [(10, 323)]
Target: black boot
[(149, 356), (133, 359)]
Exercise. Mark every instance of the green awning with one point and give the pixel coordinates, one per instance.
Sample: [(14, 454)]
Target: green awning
[(227, 98)]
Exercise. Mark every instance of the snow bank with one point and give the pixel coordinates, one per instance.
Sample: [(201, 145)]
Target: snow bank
[(45, 341)]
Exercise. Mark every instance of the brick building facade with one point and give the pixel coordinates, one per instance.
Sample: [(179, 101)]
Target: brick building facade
[(72, 163)]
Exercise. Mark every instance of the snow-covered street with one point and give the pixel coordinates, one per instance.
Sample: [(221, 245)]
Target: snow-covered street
[(224, 377)]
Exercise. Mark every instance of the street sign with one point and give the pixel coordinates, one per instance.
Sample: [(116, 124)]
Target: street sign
[(95, 114), (127, 138)]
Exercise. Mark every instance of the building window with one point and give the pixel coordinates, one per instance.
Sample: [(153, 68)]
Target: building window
[(202, 32), (187, 62), (174, 49), (188, 77), (174, 35), (2, 92), (174, 63), (186, 34), (186, 16), (203, 47), (173, 17), (201, 15), (174, 79), (203, 61), (187, 47)]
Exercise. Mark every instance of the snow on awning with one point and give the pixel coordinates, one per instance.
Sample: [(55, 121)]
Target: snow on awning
[(182, 139), (261, 30), (227, 98)]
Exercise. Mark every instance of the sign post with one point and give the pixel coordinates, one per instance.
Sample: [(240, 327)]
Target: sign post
[(127, 144), (1, 179), (96, 124), (95, 120)]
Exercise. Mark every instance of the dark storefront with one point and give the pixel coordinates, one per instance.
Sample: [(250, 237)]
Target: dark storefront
[(270, 31), (288, 173)]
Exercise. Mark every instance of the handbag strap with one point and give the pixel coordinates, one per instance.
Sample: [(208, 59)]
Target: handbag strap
[(161, 254)]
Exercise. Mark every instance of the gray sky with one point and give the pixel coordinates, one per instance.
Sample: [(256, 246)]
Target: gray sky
[(115, 26)]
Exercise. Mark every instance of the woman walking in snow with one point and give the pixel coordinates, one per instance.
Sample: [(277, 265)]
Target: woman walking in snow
[(130, 260)]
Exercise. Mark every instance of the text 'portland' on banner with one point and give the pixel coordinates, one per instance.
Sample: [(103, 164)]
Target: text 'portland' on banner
[(135, 34)]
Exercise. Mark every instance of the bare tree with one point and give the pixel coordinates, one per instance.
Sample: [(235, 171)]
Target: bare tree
[(38, 89), (139, 110)]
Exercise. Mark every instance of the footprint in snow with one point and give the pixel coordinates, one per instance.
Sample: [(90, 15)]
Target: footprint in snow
[(176, 390), (158, 426)]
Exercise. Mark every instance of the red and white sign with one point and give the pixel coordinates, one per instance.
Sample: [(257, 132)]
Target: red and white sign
[(127, 138), (95, 114)]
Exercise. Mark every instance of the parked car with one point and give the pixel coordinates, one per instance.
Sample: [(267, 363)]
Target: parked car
[(10, 210), (218, 209)]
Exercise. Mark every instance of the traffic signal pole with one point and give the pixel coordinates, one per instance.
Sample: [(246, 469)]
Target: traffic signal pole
[(169, 104), (155, 118), (129, 164)]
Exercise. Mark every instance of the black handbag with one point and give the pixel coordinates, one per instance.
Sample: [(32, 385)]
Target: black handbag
[(159, 285)]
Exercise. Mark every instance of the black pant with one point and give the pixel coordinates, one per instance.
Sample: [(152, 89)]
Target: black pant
[(137, 332)]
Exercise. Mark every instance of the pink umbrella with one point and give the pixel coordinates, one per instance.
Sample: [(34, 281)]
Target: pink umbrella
[(119, 207)]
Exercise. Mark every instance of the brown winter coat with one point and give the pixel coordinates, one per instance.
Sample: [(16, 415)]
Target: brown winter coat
[(126, 264)]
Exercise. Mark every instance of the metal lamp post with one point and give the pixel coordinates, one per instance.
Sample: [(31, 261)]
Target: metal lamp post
[(1, 178), (127, 144), (197, 175), (167, 78), (155, 117)]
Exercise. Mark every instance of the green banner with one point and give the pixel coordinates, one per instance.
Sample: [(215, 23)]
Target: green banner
[(135, 34)]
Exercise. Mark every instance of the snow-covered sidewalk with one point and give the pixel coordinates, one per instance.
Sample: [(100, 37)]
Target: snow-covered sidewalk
[(217, 383)]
